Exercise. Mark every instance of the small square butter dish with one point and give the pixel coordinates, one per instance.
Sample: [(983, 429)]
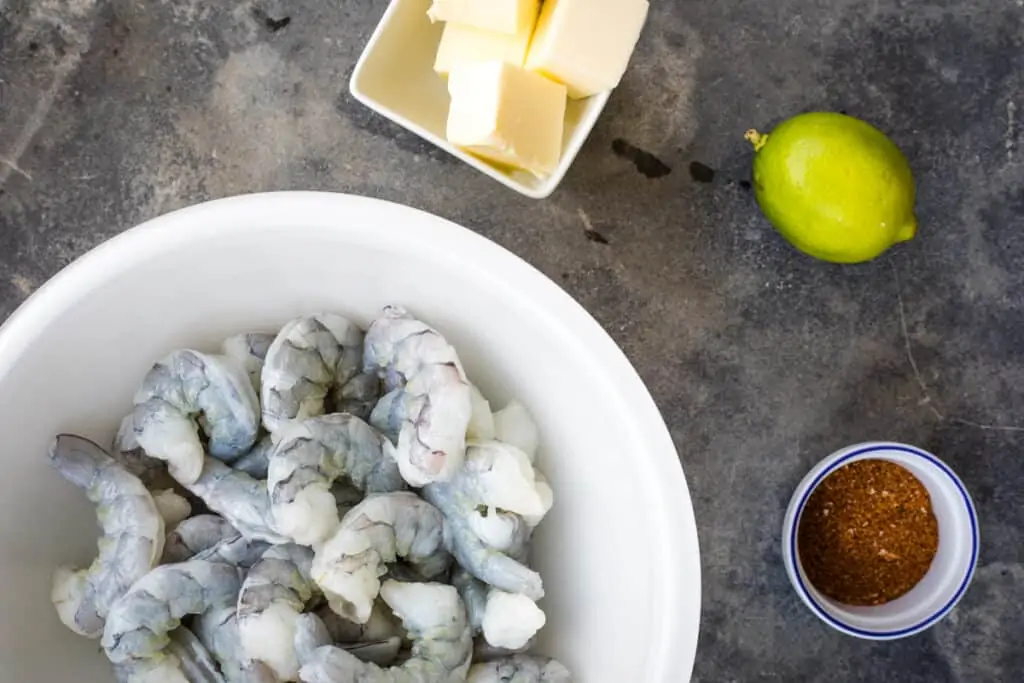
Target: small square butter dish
[(395, 77)]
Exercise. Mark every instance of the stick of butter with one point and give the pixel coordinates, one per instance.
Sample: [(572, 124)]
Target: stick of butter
[(501, 16), (507, 115), (461, 44), (586, 44)]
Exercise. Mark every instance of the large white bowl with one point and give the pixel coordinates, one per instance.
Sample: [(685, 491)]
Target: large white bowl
[(619, 550)]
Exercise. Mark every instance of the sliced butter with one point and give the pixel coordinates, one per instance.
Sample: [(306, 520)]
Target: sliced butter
[(501, 16), (462, 44), (507, 115), (586, 44)]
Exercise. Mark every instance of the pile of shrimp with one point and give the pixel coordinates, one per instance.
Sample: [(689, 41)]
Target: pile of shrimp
[(324, 504)]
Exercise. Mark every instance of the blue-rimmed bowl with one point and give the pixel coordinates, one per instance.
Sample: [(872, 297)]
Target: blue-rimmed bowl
[(951, 570)]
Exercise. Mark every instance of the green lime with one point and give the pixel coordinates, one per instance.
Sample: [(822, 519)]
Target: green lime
[(834, 186)]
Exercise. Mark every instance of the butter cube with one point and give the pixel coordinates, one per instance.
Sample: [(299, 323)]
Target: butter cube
[(586, 44), (467, 44), (507, 115), (511, 17)]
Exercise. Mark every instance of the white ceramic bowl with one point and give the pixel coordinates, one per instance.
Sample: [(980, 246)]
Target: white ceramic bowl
[(395, 77), (951, 570), (618, 552)]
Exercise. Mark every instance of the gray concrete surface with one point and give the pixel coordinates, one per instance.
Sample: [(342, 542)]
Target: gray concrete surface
[(762, 360)]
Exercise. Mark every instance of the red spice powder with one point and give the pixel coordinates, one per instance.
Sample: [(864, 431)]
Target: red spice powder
[(867, 534)]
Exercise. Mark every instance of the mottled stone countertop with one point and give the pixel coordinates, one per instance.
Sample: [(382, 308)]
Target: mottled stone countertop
[(762, 360)]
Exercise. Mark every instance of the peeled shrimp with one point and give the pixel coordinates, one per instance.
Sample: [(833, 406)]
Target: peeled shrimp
[(507, 621), (474, 596), (217, 629), (438, 405), (505, 531), (431, 443), (255, 462), (172, 507), (514, 425), (195, 661), (398, 346), (127, 451), (242, 500), (499, 475), (442, 647), (309, 356), (519, 669), (250, 350), (510, 620), (238, 551), (308, 458), (481, 422), (494, 567), (311, 633), (381, 625), (187, 384), (136, 635), (132, 541), (273, 595), (194, 535), (379, 530)]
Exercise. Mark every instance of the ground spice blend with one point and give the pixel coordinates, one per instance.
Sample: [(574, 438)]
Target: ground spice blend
[(867, 534)]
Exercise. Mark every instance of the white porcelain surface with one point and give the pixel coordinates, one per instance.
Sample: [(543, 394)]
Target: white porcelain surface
[(395, 77), (619, 550), (951, 570)]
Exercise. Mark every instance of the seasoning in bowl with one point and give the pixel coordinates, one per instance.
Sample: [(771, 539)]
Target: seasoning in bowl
[(867, 534)]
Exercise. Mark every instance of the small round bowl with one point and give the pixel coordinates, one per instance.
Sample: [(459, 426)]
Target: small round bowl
[(951, 570)]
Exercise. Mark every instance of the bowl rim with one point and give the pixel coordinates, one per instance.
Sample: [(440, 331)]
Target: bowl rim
[(364, 219), (807, 486)]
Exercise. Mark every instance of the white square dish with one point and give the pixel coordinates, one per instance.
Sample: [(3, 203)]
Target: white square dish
[(395, 77)]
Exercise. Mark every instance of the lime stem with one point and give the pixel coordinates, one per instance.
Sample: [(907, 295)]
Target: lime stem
[(756, 139)]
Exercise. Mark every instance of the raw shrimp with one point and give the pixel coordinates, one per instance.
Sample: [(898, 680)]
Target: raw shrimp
[(132, 540), (255, 462), (379, 530), (172, 507), (500, 530), (510, 620), (309, 356), (242, 500), (217, 629), (481, 421), (398, 346), (498, 475), (392, 411), (358, 395), (307, 459), (311, 632), (194, 535), (485, 652), (381, 625), (273, 595), (398, 405), (473, 592), (432, 441), (137, 631), (438, 407), (519, 669), (491, 566), (250, 350), (187, 384), (127, 451), (514, 425), (442, 647), (507, 621), (238, 551), (195, 661)]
